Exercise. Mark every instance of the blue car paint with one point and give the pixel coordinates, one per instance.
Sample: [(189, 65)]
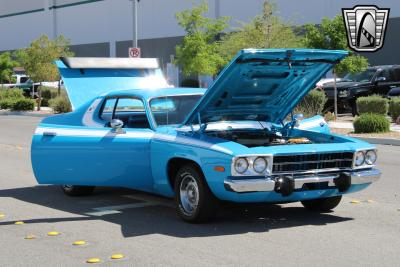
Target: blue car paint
[(87, 153), (82, 85), (242, 88)]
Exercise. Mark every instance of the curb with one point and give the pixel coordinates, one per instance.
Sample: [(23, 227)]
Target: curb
[(380, 141), (24, 113)]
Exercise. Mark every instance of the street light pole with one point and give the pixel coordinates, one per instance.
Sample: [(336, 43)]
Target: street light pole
[(134, 11)]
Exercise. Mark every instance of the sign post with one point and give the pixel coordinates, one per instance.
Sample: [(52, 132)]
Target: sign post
[(134, 52)]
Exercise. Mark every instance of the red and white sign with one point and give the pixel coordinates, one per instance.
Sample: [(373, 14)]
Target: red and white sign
[(134, 51)]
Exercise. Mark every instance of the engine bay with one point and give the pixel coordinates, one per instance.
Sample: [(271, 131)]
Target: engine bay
[(255, 138)]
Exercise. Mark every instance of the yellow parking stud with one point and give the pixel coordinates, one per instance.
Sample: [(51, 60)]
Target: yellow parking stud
[(2, 215), (117, 256), (93, 260), (30, 237), (19, 223), (53, 233), (355, 201), (79, 243)]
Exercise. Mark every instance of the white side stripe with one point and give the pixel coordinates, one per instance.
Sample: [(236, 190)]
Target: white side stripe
[(92, 133), (129, 134)]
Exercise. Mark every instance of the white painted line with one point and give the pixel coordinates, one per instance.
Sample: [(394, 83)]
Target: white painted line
[(107, 210), (151, 199)]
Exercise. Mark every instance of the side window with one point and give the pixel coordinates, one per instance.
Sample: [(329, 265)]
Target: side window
[(108, 108), (385, 73), (396, 74), (23, 79), (131, 112)]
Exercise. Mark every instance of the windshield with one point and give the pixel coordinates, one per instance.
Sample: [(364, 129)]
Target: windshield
[(172, 109), (364, 76)]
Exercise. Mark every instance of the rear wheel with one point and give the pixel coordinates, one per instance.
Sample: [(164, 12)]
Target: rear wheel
[(322, 204), (77, 190), (194, 201)]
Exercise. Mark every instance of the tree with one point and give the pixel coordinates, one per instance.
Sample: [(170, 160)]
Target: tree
[(38, 59), (264, 31), (6, 67), (198, 53), (331, 34)]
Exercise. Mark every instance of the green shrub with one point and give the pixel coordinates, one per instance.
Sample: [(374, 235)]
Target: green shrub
[(23, 104), (312, 104), (372, 104), (190, 83), (60, 104), (329, 116), (371, 123), (394, 108), (48, 92), (11, 93), (45, 102), (7, 103)]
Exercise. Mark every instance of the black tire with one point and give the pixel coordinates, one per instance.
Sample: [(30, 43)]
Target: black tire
[(189, 176), (77, 190), (322, 204)]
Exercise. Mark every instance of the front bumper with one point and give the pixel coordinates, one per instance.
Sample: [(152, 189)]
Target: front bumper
[(269, 184)]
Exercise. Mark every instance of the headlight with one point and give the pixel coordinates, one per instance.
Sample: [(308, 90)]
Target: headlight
[(360, 158), (241, 165), (259, 165), (370, 157)]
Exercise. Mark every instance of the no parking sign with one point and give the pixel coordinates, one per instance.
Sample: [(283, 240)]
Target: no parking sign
[(134, 51)]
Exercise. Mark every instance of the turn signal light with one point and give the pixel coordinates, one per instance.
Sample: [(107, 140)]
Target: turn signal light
[(219, 169)]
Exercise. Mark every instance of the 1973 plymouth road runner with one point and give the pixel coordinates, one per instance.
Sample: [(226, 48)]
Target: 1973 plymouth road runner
[(237, 141)]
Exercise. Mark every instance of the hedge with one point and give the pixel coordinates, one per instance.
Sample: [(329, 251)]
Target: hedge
[(23, 104), (7, 103), (11, 93), (312, 104), (60, 104), (394, 108), (371, 123), (375, 104)]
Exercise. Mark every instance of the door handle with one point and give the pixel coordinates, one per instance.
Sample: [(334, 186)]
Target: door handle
[(49, 133)]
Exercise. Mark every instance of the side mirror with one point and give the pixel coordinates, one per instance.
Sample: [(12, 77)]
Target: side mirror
[(117, 125), (380, 79)]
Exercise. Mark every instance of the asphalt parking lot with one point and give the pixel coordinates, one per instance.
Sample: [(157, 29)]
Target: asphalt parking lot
[(363, 231)]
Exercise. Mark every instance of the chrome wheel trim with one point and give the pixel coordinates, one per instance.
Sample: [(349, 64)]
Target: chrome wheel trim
[(189, 194)]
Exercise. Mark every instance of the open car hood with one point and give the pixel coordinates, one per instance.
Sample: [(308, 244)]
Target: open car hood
[(87, 78), (263, 84)]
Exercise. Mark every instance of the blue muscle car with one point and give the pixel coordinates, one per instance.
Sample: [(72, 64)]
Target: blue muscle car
[(236, 141)]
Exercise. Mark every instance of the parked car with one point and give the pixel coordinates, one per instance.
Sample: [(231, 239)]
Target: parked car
[(23, 82), (374, 80), (394, 92), (231, 142), (323, 81)]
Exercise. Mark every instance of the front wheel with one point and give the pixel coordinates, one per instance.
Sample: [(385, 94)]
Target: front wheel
[(322, 204), (77, 190), (194, 200)]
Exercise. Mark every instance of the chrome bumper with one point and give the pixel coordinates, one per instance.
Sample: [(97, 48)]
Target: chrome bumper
[(269, 183)]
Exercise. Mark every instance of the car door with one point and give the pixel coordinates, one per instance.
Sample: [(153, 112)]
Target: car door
[(384, 81), (126, 154), (100, 156)]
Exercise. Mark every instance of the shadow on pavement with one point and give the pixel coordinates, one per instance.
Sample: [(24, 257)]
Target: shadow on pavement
[(232, 219)]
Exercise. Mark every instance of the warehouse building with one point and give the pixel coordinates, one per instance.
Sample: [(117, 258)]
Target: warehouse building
[(105, 27)]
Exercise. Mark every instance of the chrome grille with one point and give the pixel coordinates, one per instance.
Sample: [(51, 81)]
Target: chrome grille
[(312, 162)]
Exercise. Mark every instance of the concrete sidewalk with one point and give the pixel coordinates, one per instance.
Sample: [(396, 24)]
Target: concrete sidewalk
[(348, 125), (44, 112)]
